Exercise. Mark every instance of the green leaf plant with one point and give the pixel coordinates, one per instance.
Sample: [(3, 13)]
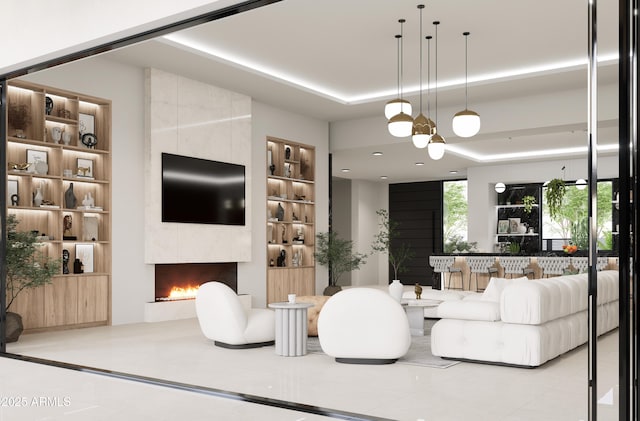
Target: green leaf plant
[(337, 255), (27, 266), (385, 241)]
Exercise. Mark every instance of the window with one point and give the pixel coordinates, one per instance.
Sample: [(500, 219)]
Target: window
[(572, 225), (454, 216)]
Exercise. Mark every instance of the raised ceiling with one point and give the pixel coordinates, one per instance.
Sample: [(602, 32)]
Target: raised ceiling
[(335, 60)]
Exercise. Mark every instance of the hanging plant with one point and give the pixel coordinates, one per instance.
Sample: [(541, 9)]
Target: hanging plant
[(528, 202), (554, 196)]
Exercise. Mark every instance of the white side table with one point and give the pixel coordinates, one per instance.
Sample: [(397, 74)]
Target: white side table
[(291, 328), (415, 314)]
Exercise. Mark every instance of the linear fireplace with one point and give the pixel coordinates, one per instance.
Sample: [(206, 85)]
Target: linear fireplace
[(179, 281)]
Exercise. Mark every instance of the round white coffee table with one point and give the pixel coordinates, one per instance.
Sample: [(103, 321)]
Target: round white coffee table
[(291, 328), (415, 313)]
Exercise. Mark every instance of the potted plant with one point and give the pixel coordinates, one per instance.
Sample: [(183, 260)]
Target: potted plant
[(554, 195), (27, 267), (528, 202), (398, 254), (338, 256)]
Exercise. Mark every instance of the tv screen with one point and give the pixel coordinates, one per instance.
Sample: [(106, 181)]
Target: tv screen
[(200, 191)]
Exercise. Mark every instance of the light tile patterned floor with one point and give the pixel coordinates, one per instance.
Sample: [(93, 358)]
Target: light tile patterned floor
[(177, 351)]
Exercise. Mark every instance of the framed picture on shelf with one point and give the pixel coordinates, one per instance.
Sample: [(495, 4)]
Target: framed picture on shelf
[(85, 168), (12, 192), (34, 156), (503, 226), (84, 252), (514, 223), (86, 125)]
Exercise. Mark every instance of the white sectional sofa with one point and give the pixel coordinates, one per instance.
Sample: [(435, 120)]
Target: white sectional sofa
[(523, 322)]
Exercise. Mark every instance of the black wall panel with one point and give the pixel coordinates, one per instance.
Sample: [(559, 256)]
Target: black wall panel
[(417, 208)]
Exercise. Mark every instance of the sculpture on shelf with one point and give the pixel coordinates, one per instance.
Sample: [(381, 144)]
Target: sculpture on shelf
[(70, 198), (280, 213), (88, 201), (287, 153), (65, 261), (282, 258), (284, 231), (67, 223), (418, 291)]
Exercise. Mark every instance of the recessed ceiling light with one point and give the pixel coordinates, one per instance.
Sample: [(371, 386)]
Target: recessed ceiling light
[(453, 172), (419, 164), (383, 177), (376, 153), (345, 170)]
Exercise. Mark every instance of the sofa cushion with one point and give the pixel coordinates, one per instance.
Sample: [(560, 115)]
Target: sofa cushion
[(539, 301), (470, 310), (313, 312), (496, 286)]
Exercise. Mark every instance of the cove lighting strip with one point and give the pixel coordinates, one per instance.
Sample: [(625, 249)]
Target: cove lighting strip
[(185, 43), (457, 150)]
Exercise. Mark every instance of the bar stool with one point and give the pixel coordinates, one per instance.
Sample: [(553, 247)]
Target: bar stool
[(553, 265), (482, 264), (444, 264), (582, 263), (516, 265)]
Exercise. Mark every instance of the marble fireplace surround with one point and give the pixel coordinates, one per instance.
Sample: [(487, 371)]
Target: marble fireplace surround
[(190, 118)]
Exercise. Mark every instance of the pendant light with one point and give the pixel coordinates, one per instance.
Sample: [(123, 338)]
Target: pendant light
[(436, 145), (421, 127), (466, 123), (401, 124)]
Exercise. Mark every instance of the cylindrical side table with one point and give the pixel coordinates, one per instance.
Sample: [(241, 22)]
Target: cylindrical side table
[(291, 328)]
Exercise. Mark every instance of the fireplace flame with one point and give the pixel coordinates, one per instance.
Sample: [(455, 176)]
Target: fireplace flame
[(183, 293)]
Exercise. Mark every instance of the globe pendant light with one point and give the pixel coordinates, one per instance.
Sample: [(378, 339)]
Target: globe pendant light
[(401, 124), (466, 123), (421, 128), (436, 146)]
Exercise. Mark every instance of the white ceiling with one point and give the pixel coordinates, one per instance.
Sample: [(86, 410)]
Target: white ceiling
[(335, 60)]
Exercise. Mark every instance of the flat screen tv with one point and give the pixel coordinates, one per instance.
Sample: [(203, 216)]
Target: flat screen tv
[(200, 191)]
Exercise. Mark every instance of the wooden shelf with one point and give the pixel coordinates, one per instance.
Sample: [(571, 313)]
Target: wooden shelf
[(72, 300), (290, 168)]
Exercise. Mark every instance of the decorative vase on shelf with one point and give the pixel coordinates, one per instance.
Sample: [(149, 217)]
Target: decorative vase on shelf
[(37, 198), (395, 290), (70, 198)]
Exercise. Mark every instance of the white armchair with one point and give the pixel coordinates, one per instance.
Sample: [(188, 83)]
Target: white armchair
[(225, 320), (363, 326)]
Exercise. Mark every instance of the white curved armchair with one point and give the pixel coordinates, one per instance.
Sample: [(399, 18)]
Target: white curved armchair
[(224, 319), (363, 326)]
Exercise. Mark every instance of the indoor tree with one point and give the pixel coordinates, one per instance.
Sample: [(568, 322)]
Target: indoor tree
[(338, 256), (386, 241), (27, 267)]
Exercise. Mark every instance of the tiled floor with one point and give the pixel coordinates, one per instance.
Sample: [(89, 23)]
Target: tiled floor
[(178, 352)]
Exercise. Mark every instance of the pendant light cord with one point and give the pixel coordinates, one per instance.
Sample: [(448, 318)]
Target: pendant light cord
[(421, 7), (428, 74), (402, 21), (466, 69)]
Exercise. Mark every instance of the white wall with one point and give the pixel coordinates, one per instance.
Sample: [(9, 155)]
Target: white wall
[(45, 29), (366, 198), (482, 180), (270, 121)]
